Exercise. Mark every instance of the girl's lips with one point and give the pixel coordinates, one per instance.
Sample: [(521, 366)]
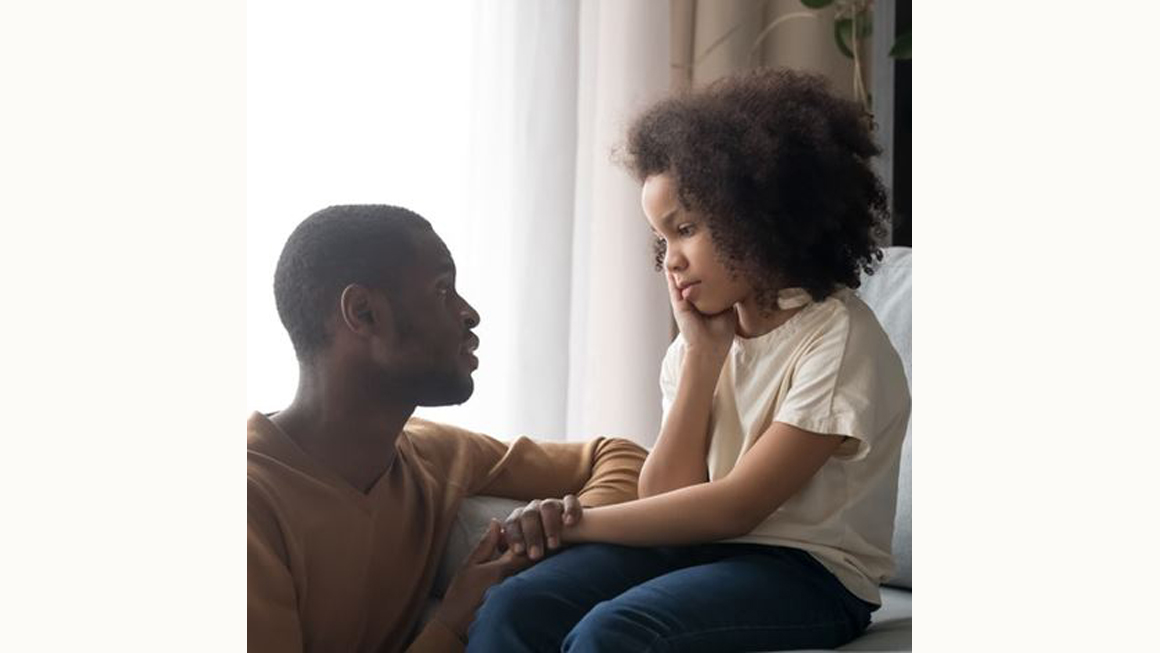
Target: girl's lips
[(687, 291)]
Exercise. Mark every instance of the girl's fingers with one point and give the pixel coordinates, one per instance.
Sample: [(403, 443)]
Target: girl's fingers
[(674, 294)]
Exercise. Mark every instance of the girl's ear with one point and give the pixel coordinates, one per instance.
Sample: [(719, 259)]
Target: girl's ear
[(364, 312)]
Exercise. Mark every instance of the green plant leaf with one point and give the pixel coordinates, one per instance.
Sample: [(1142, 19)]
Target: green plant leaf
[(817, 4), (842, 29), (901, 49)]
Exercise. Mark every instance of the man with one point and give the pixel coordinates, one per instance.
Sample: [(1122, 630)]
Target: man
[(350, 498)]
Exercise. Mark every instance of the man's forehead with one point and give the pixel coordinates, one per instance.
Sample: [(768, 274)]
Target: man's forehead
[(431, 253)]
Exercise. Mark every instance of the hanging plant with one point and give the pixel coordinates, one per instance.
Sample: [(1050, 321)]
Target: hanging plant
[(853, 24)]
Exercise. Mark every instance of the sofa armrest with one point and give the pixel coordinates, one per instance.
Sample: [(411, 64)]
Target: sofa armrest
[(469, 525)]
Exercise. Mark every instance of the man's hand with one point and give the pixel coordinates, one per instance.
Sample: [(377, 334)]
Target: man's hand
[(479, 572), (536, 527)]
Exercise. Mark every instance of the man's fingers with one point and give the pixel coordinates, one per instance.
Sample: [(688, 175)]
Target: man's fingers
[(572, 510), (533, 531), (552, 517), (513, 534), (510, 563), (487, 543)]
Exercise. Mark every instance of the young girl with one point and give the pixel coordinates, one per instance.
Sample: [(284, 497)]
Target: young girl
[(767, 504)]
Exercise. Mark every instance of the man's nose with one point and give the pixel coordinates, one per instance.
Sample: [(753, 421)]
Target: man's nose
[(470, 315)]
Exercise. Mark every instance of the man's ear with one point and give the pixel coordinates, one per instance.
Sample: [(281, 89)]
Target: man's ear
[(364, 312)]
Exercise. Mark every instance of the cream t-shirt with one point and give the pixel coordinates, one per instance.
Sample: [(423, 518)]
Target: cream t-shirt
[(829, 369)]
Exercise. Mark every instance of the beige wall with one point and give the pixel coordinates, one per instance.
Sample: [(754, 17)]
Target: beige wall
[(713, 38)]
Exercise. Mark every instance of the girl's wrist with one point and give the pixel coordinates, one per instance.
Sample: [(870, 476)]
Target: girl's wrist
[(706, 358), (580, 532)]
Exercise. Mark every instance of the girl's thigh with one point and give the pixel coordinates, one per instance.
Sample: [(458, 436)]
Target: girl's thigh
[(769, 600), (535, 609)]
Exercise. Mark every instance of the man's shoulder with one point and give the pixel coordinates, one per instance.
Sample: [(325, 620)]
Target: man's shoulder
[(262, 472), (427, 433), (433, 441)]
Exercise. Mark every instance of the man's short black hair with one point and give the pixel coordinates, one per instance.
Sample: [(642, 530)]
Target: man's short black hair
[(367, 244)]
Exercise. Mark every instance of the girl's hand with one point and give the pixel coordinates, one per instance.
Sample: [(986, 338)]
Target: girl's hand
[(711, 334)]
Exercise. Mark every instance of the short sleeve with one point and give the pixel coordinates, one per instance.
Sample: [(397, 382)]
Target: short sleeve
[(831, 388), (671, 375)]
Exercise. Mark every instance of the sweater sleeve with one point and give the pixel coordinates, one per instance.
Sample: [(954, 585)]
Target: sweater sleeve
[(602, 471), (272, 613), (599, 472), (436, 638)]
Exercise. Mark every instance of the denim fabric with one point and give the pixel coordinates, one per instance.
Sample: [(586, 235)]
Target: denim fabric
[(714, 597)]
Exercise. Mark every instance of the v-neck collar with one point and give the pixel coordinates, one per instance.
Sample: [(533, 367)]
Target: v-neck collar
[(268, 438)]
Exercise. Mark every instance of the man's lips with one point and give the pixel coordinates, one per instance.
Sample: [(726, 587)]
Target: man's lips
[(469, 346)]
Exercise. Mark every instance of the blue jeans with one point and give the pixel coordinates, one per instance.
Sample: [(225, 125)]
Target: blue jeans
[(712, 597)]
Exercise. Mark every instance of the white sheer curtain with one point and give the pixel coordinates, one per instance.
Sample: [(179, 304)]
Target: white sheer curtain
[(495, 120), (620, 311)]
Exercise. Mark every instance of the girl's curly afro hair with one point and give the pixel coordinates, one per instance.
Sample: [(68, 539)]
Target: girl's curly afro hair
[(781, 170)]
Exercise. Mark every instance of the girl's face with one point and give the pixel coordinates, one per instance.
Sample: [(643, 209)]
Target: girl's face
[(690, 256)]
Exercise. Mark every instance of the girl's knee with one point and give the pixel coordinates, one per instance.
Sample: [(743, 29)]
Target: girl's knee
[(498, 622), (510, 597), (613, 626)]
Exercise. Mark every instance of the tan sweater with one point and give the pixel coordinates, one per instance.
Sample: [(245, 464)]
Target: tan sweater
[(333, 569)]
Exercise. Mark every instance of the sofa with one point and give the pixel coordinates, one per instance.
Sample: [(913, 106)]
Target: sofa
[(887, 292)]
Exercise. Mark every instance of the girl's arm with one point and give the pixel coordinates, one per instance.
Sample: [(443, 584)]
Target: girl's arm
[(678, 458), (780, 463)]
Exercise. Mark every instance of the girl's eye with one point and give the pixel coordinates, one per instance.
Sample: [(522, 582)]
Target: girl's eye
[(444, 290), (686, 229)]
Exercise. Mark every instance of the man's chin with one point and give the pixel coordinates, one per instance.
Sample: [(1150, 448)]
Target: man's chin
[(451, 395)]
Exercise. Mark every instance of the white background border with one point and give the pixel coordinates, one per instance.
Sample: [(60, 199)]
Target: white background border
[(122, 194)]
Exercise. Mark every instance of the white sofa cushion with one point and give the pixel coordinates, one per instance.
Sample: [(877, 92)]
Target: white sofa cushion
[(887, 293)]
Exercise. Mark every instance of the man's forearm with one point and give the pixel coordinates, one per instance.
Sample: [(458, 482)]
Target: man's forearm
[(678, 459), (615, 471)]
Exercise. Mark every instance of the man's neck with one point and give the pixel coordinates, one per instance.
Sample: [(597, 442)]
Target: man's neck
[(343, 429)]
